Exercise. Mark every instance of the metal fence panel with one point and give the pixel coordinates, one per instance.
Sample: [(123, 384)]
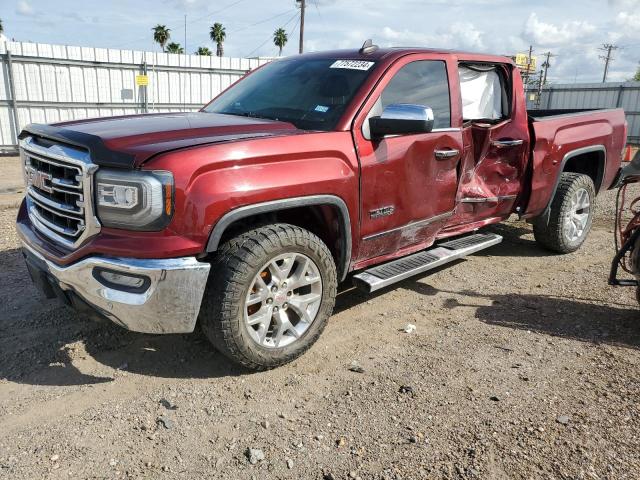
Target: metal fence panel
[(54, 83), (595, 95)]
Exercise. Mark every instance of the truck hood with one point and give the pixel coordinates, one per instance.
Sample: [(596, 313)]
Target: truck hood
[(128, 141)]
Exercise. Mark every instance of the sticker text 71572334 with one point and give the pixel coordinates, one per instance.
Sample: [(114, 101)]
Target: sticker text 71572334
[(352, 64)]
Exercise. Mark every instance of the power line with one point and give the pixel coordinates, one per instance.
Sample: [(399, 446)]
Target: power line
[(198, 19), (607, 47), (232, 32), (295, 15)]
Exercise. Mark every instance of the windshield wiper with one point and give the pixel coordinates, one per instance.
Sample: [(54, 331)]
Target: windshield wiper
[(244, 114)]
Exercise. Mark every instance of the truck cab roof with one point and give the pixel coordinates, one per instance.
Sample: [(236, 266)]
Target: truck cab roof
[(389, 54)]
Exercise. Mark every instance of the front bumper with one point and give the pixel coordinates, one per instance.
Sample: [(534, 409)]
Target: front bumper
[(168, 302)]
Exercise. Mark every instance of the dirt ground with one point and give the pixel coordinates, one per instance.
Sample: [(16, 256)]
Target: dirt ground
[(524, 365)]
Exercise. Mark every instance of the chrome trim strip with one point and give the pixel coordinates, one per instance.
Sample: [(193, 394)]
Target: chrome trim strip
[(57, 228), (170, 305), (451, 129), (411, 225), (488, 199), (507, 143), (55, 206)]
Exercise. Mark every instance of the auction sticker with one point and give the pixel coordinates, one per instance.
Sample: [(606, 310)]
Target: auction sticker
[(352, 64)]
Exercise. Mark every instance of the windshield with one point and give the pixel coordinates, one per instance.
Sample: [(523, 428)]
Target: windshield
[(312, 94)]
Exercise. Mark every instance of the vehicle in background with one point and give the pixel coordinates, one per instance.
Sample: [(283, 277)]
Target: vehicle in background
[(627, 230), (375, 163)]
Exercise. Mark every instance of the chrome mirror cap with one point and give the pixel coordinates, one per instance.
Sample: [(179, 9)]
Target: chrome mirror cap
[(402, 118)]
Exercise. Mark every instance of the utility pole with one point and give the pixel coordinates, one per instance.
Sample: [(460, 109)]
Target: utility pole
[(302, 7), (607, 47), (543, 75), (546, 66), (526, 73)]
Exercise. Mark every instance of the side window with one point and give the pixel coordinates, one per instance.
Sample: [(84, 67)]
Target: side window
[(423, 82), (483, 93)]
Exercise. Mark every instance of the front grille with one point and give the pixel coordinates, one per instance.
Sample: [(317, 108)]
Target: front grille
[(58, 184)]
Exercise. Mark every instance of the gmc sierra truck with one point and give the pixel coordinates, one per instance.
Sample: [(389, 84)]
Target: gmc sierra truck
[(371, 164)]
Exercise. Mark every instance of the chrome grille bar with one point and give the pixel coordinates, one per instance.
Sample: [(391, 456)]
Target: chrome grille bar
[(59, 180)]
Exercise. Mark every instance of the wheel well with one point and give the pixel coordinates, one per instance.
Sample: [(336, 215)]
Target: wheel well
[(591, 164), (325, 221)]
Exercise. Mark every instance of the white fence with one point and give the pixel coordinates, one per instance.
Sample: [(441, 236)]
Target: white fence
[(45, 83)]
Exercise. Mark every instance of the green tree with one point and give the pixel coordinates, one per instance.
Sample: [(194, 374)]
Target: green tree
[(218, 35), (636, 77), (280, 39), (203, 51), (1, 27), (174, 47), (161, 35)]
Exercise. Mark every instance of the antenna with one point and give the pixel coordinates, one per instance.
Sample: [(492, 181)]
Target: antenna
[(368, 47)]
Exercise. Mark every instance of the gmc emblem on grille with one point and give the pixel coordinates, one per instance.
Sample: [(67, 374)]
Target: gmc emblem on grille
[(38, 179)]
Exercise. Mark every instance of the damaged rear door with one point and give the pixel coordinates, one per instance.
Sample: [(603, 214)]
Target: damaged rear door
[(496, 138)]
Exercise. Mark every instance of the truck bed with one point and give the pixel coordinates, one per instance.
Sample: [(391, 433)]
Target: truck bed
[(537, 115), (592, 139)]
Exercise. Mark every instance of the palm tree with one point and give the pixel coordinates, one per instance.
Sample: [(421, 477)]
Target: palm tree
[(218, 35), (203, 51), (280, 39), (174, 47), (161, 35)]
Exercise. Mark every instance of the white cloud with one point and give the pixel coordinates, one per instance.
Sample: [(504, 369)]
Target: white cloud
[(625, 4), (459, 35), (628, 24), (548, 34), (24, 8)]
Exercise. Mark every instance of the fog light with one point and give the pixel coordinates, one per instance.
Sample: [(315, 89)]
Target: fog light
[(122, 281)]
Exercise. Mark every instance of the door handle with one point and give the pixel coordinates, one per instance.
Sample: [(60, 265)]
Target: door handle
[(443, 154), (506, 143)]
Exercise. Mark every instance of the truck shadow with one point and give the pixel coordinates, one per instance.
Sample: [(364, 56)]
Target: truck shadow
[(43, 342), (514, 243), (584, 320)]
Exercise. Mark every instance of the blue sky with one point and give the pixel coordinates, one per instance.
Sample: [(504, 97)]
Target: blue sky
[(573, 30)]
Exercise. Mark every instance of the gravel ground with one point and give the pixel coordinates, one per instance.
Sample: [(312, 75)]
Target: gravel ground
[(523, 365)]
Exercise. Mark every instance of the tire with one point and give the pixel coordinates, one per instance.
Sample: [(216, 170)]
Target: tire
[(561, 233), (244, 271)]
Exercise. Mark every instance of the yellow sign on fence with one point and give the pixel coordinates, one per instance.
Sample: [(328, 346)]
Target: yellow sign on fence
[(523, 61), (142, 80)]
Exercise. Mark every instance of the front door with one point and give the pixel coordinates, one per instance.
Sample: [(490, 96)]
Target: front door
[(408, 182)]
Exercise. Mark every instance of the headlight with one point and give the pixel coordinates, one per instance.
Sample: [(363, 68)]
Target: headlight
[(134, 200)]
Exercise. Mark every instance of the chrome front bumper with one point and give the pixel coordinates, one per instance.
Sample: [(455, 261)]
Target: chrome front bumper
[(169, 301)]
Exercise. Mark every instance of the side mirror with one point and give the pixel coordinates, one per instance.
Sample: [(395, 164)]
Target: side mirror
[(401, 118)]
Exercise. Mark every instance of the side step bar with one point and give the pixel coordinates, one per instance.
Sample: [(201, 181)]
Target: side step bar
[(384, 275)]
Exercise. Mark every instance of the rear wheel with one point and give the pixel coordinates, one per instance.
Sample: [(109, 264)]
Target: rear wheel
[(570, 216), (269, 295)]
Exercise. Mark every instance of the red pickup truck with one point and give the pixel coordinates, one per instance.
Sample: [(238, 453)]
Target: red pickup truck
[(371, 164)]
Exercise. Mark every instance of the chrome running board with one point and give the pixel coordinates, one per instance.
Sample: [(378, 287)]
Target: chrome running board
[(397, 270)]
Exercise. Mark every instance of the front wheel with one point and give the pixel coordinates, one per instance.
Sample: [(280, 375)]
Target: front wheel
[(269, 295), (570, 215)]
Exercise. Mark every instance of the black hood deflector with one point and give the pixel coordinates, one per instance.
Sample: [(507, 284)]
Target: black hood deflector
[(100, 154)]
